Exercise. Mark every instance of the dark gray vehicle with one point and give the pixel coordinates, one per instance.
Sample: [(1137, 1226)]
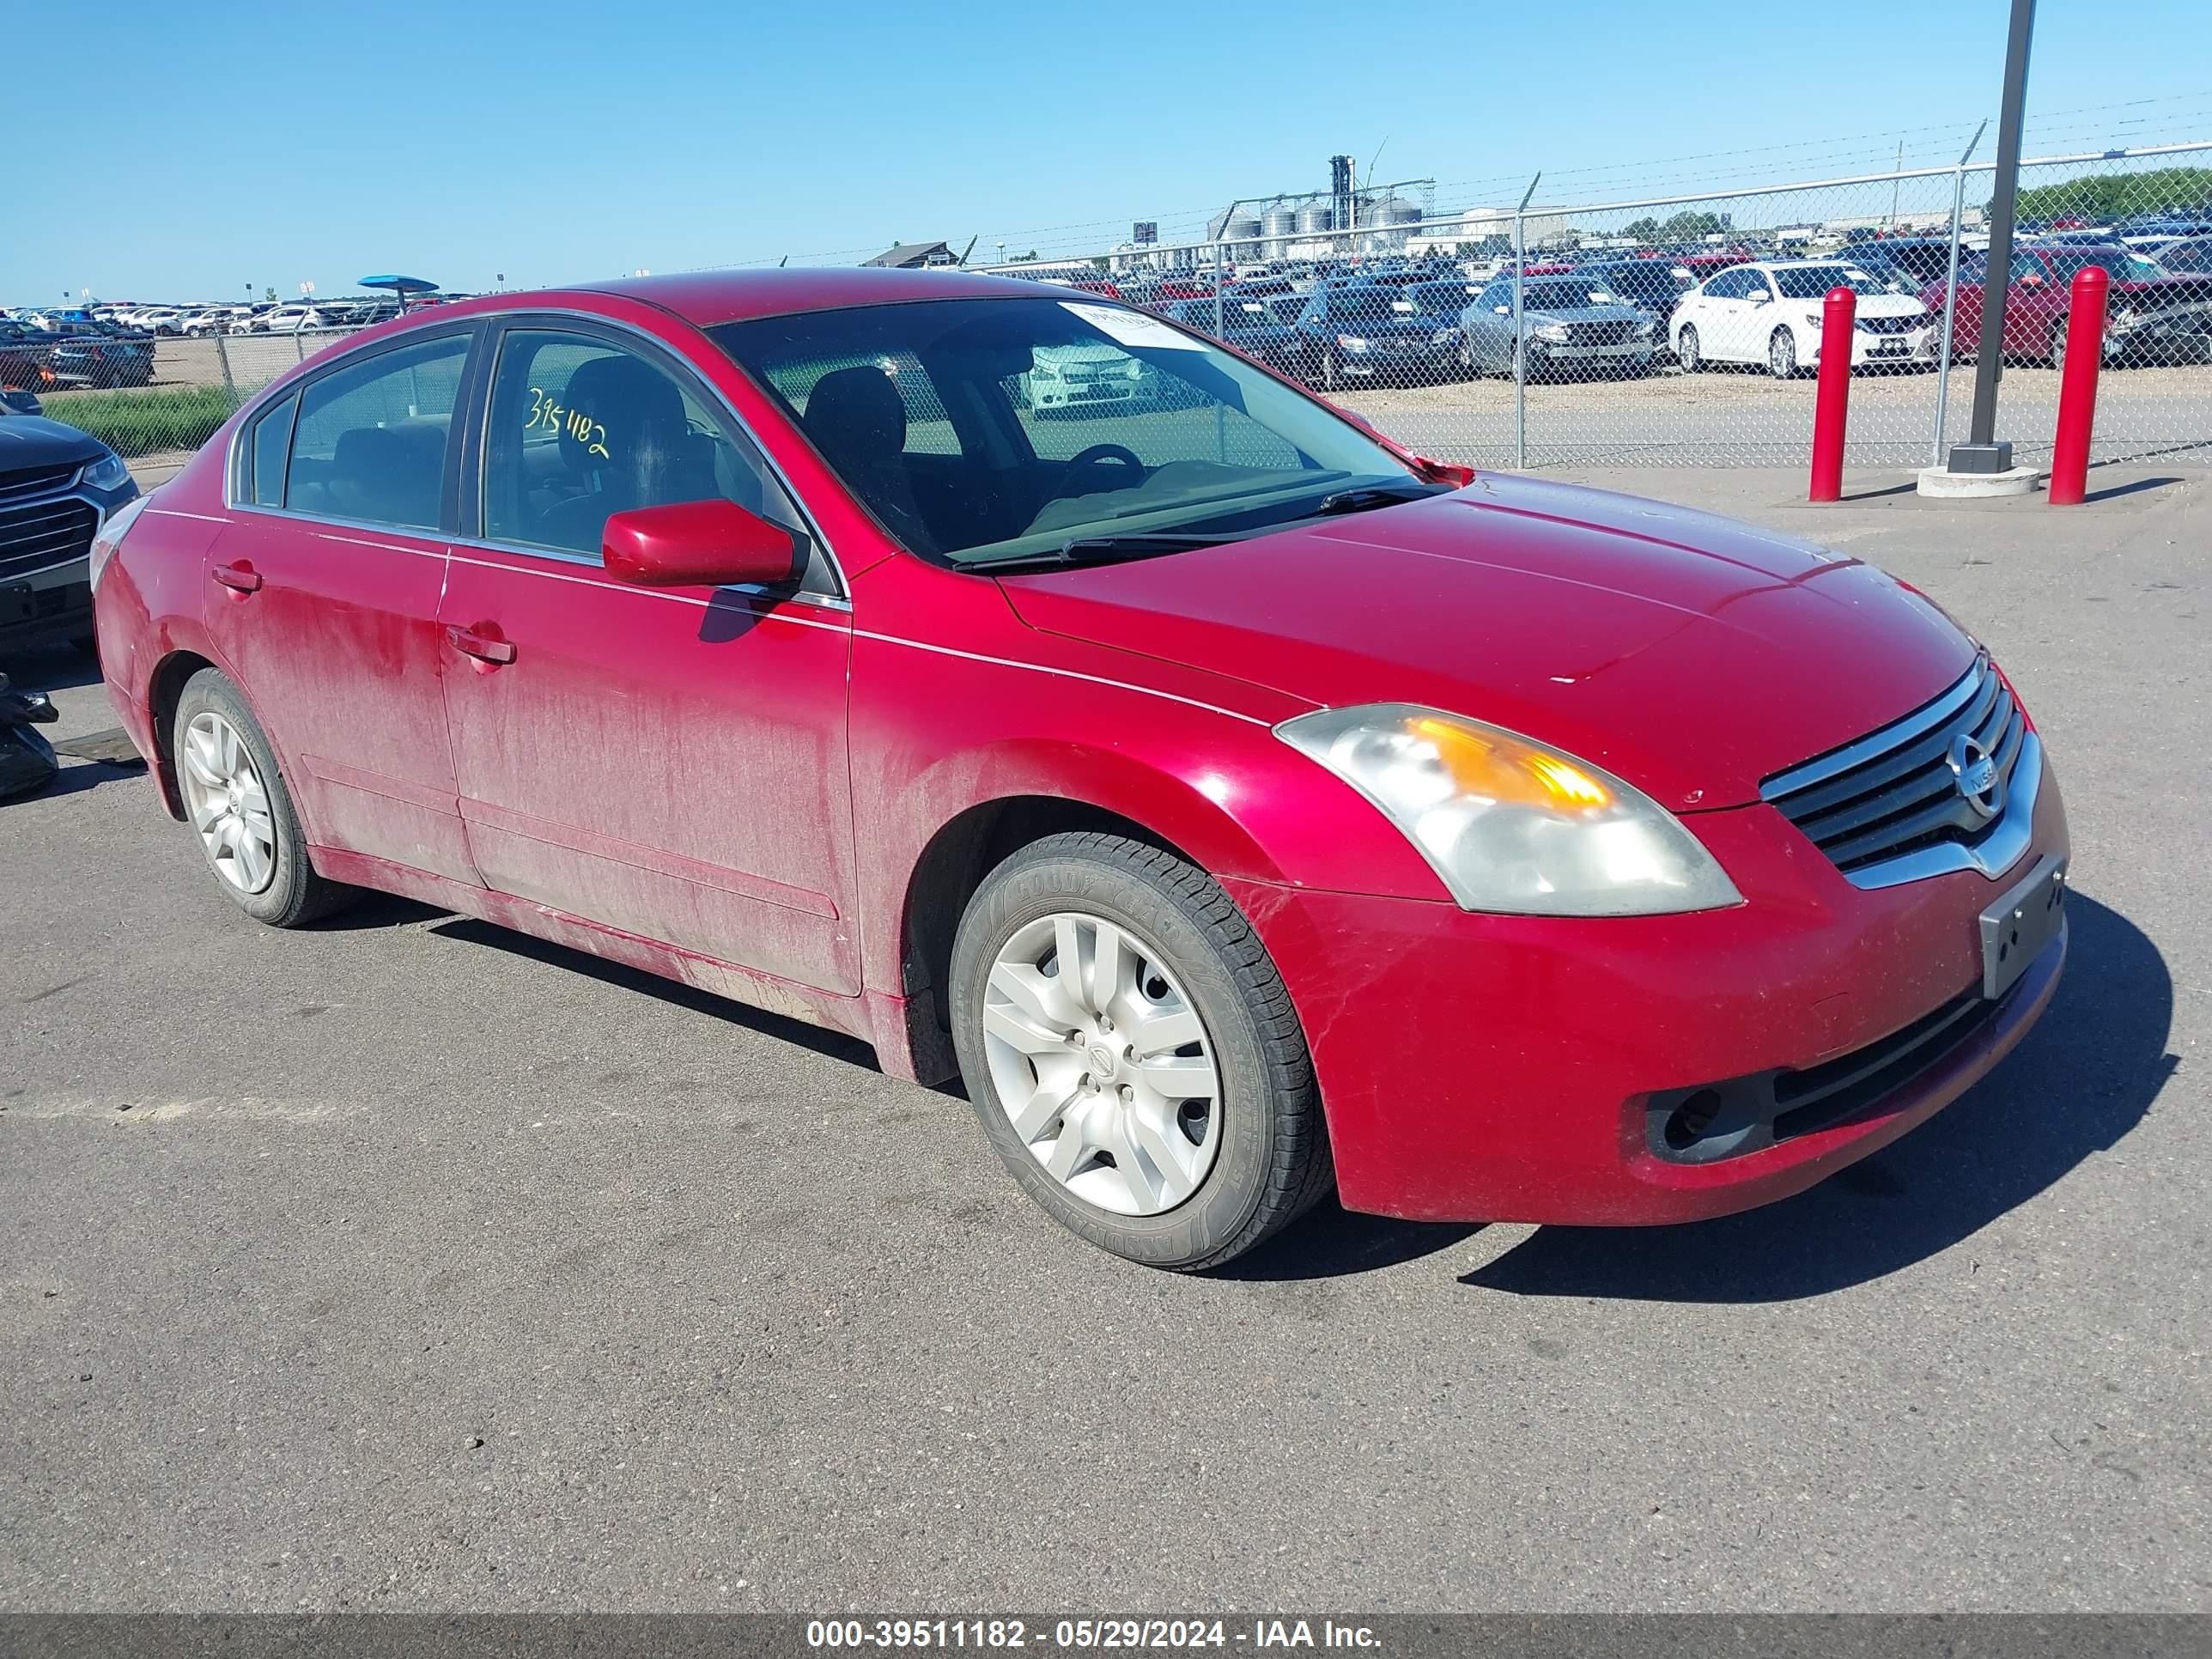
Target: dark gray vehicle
[(1575, 325), (57, 486)]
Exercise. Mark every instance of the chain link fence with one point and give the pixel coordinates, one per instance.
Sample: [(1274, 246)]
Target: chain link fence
[(1684, 330), (1673, 330)]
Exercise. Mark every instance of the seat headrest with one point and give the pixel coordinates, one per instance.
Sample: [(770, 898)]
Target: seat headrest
[(853, 412), (631, 412)]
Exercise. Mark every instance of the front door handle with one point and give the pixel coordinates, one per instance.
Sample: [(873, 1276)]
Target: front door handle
[(240, 578), (484, 645)]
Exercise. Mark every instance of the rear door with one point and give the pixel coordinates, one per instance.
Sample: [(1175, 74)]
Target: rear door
[(322, 597), (669, 763)]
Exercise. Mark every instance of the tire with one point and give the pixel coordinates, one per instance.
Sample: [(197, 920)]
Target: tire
[(2057, 347), (289, 894), (1685, 349), (1782, 354), (1185, 939)]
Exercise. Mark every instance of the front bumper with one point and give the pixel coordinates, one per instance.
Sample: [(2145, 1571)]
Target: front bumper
[(45, 608), (1915, 347), (1504, 1068)]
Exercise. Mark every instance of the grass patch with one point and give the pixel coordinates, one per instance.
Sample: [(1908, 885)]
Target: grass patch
[(144, 423)]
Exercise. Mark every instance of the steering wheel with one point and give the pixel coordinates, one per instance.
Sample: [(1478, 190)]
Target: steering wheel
[(1091, 456)]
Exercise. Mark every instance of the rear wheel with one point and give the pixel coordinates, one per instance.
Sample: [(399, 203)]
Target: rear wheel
[(1685, 351), (237, 802), (1782, 354), (2057, 348), (1132, 1053)]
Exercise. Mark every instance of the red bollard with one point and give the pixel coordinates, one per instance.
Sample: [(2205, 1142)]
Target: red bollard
[(2077, 386), (1832, 401)]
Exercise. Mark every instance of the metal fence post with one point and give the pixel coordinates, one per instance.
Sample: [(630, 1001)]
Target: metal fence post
[(1520, 330), (299, 346), (1951, 300), (1220, 253), (222, 357)]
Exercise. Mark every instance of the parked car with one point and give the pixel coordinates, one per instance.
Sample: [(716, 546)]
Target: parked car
[(94, 359), (208, 320), (2187, 256), (1213, 800), (1904, 263), (1572, 325), (57, 487), (1366, 331), (2154, 315), (283, 319), (1654, 287), (1262, 326), (1771, 312)]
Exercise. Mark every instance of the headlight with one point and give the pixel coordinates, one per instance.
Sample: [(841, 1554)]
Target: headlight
[(1814, 320), (108, 473), (1643, 330), (1443, 337), (1044, 372), (2123, 319), (1511, 826), (1555, 332), (1351, 342)]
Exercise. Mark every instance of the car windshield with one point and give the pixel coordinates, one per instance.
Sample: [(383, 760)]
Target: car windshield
[(1813, 282), (1565, 293), (2116, 263), (981, 430), (1441, 299)]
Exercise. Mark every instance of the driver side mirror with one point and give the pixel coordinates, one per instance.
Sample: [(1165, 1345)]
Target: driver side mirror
[(715, 544)]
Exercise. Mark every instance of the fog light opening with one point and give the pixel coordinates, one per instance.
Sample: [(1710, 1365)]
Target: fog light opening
[(1687, 1124)]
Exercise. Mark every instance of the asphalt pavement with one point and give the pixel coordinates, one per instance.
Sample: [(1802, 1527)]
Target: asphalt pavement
[(404, 1263)]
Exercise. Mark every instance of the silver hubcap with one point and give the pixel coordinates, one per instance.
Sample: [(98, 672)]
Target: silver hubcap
[(1101, 1064), (1783, 354), (228, 806)]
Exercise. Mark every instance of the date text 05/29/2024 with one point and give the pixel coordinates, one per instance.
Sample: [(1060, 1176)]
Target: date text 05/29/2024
[(1087, 1633)]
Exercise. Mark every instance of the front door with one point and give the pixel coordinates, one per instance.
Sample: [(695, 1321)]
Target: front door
[(669, 763), (322, 598)]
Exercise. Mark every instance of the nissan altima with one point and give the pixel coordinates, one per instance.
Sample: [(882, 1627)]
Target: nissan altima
[(1243, 806)]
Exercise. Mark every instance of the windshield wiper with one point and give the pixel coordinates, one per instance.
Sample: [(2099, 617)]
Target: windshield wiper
[(1106, 550), (1366, 496)]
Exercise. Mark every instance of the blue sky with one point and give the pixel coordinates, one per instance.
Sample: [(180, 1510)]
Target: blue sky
[(271, 144)]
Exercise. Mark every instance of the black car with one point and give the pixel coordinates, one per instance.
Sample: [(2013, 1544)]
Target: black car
[(1653, 287), (1904, 263), (1373, 332), (1258, 324), (57, 486), (94, 358)]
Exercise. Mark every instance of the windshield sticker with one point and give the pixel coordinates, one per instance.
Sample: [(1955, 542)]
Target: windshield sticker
[(1132, 328)]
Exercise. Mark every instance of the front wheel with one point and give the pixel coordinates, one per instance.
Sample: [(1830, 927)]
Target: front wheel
[(1686, 351), (1782, 354), (1132, 1053), (2058, 345)]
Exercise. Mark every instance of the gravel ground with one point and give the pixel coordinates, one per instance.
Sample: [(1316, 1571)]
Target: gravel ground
[(404, 1263)]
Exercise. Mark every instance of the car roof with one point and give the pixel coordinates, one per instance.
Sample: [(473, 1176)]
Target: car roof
[(705, 298)]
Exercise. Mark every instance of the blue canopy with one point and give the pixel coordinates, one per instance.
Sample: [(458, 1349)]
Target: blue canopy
[(402, 285)]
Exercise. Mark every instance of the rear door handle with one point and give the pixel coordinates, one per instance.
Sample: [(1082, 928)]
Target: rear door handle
[(484, 647), (240, 578)]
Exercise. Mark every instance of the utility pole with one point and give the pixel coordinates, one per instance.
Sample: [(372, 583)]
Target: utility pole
[(1982, 453)]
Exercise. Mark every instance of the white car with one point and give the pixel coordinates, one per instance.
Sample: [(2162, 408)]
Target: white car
[(1769, 313), (285, 319), (212, 320)]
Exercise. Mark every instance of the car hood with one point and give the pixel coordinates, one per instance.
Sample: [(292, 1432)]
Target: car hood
[(33, 441), (1688, 653), (1879, 304)]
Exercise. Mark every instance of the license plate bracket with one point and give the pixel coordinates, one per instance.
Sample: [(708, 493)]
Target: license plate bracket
[(2015, 929)]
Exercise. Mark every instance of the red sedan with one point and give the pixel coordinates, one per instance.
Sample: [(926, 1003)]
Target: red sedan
[(1239, 804), (2149, 311)]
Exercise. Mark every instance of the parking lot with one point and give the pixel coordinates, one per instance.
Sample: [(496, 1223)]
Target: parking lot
[(400, 1262)]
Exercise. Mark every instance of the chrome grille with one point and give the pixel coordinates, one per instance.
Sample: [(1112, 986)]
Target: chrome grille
[(1892, 324), (1893, 793), (36, 536), (34, 480), (1608, 333)]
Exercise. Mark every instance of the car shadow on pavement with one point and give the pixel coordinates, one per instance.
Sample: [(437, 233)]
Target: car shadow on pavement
[(2078, 1083), (834, 1044)]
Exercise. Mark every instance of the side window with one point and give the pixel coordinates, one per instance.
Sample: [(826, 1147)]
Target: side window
[(582, 429), (370, 440), (1728, 285), (271, 438)]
